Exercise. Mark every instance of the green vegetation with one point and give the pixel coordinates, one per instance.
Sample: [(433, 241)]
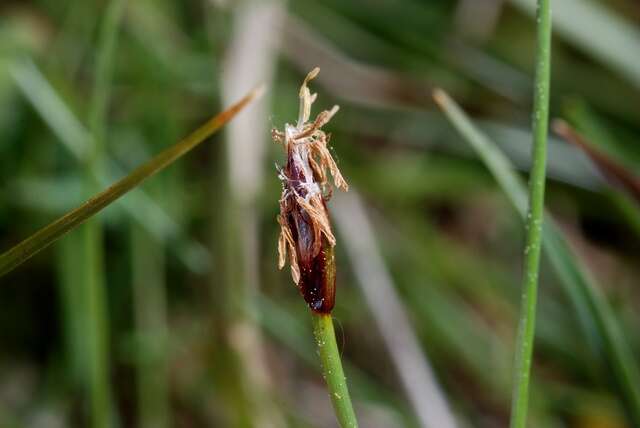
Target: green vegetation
[(534, 220), (159, 302)]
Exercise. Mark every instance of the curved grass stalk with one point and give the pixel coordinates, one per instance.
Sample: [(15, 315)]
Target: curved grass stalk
[(20, 253), (76, 139)]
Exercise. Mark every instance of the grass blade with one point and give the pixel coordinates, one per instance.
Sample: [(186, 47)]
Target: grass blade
[(151, 329), (575, 20), (45, 236), (252, 54), (617, 173), (92, 254), (104, 71), (594, 312), (73, 311), (76, 139)]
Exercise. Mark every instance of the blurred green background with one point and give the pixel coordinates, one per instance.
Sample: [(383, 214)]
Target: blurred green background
[(167, 309)]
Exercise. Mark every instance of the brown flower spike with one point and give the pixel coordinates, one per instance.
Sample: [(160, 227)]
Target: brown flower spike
[(305, 229)]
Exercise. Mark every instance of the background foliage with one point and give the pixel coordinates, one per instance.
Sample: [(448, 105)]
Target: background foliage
[(198, 328)]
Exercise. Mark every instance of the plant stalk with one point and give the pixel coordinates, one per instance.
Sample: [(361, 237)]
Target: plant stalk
[(592, 309), (534, 220), (332, 369), (93, 234), (150, 315)]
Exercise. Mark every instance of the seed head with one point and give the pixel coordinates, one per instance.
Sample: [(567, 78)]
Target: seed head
[(305, 229)]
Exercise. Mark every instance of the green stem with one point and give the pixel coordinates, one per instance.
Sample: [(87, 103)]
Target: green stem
[(526, 328), (150, 315), (332, 370), (595, 314), (70, 281), (93, 234), (97, 327)]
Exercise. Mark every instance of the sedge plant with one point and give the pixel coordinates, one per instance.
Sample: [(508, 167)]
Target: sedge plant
[(306, 236), (534, 216)]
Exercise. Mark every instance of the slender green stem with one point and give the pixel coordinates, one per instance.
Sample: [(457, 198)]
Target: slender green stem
[(150, 306), (104, 71), (95, 277), (595, 314), (70, 277), (332, 369), (97, 326), (526, 328)]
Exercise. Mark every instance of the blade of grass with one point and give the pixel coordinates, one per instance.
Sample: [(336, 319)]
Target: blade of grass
[(617, 173), (17, 255), (599, 131), (71, 298), (611, 44), (251, 55), (92, 256), (594, 312), (629, 210), (150, 306), (103, 74), (606, 149), (534, 220), (76, 138), (96, 328)]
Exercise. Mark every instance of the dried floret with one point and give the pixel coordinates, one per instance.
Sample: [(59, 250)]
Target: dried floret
[(306, 234)]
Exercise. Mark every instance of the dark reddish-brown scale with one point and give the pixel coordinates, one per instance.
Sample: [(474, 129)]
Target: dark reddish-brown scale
[(317, 282)]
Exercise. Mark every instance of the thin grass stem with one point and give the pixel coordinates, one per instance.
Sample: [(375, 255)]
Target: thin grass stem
[(332, 370), (150, 307), (95, 303), (71, 297), (534, 220), (596, 316)]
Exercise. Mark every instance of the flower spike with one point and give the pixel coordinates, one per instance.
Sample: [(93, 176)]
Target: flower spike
[(305, 229)]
